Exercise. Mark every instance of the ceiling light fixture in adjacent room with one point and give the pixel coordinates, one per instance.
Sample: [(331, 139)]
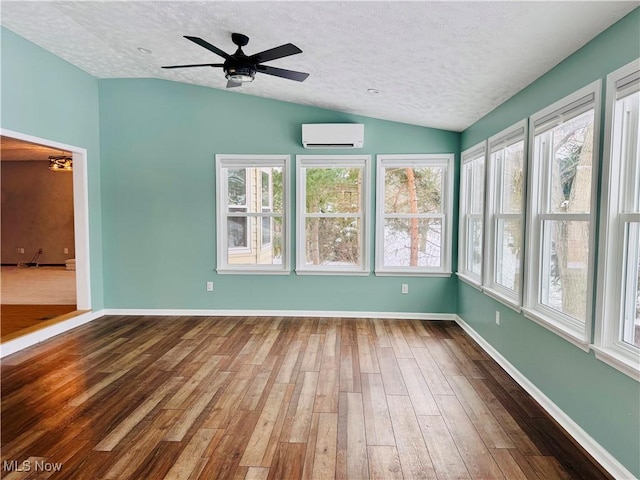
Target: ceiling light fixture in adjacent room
[(373, 91), (60, 163), (146, 51)]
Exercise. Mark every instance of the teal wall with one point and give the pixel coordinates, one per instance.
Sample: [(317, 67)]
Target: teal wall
[(158, 141), (603, 401), (44, 96)]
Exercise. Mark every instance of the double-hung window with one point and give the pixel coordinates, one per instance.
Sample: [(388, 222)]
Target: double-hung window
[(561, 200), (414, 210), (617, 333), (471, 214), (252, 204), (505, 215), (333, 204)]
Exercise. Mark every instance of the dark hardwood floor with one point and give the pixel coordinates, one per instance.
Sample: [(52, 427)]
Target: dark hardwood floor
[(273, 398), (18, 320)]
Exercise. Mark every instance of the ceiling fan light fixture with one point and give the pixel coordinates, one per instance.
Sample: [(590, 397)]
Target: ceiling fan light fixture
[(240, 74), (60, 163)]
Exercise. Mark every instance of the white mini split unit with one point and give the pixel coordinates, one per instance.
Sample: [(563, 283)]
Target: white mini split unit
[(333, 135)]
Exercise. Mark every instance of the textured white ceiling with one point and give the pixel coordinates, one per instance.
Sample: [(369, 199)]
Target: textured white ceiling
[(436, 64)]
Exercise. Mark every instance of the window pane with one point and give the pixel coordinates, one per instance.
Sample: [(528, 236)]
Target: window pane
[(266, 230), (631, 321), (571, 161), (237, 186), (412, 242), (508, 248), (413, 190), (564, 272), (476, 186), (512, 179), (333, 241), (333, 190), (237, 232), (245, 249), (474, 245), (626, 146), (266, 189)]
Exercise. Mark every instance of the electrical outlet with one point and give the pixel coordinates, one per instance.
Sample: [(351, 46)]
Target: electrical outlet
[(497, 318), (405, 288), (66, 251), (209, 286), (20, 250)]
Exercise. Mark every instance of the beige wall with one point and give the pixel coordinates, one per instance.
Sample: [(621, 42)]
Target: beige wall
[(37, 212)]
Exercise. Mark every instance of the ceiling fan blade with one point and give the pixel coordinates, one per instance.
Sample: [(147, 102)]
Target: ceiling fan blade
[(274, 53), (281, 72), (196, 65), (208, 46), (232, 84)]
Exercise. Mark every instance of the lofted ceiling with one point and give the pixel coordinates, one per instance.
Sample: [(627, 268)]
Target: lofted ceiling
[(438, 64)]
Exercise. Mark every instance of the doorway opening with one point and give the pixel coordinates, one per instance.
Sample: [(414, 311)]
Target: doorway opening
[(45, 268)]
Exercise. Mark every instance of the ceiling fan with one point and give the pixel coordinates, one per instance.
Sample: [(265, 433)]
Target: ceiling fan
[(240, 68)]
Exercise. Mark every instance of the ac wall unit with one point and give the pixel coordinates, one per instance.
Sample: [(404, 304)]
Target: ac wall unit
[(333, 135)]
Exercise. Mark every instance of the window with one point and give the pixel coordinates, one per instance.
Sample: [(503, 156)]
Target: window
[(414, 210), (332, 214), (252, 195), (471, 214), (505, 215), (560, 215), (617, 339)]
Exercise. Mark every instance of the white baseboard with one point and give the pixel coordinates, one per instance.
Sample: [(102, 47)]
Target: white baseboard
[(597, 451), (279, 313), (20, 343)]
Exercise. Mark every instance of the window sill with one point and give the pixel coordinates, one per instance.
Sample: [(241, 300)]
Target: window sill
[(509, 302), (250, 271), (571, 335), (358, 273), (470, 281), (410, 273), (616, 359)]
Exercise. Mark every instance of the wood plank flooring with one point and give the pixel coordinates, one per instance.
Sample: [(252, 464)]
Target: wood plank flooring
[(273, 399), (18, 320)]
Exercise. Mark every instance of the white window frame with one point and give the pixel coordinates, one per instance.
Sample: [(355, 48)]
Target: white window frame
[(232, 161), (337, 161), (266, 208), (617, 171), (445, 161), (571, 106), (496, 144), (475, 153), (248, 236)]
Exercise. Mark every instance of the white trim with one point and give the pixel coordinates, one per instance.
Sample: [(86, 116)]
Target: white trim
[(564, 330), (476, 153), (431, 160), (609, 303), (80, 212), (20, 343), (498, 143), (333, 161), (280, 313), (586, 441), (391, 273), (472, 282), (536, 213), (252, 161), (504, 299)]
